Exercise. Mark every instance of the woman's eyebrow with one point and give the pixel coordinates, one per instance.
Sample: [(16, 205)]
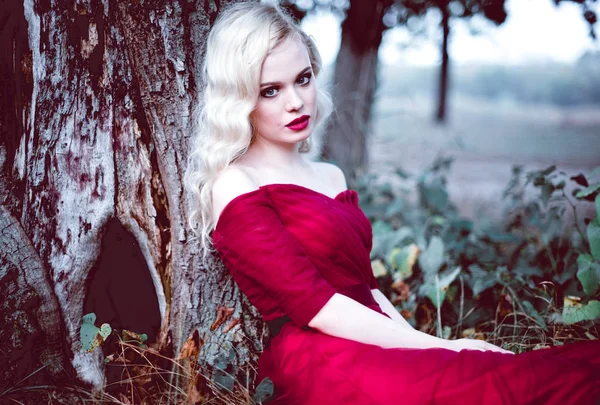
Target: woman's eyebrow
[(305, 70)]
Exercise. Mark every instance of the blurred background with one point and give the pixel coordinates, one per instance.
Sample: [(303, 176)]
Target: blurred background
[(522, 88)]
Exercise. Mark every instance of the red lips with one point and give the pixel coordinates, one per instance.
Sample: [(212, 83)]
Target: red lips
[(298, 120), (299, 124)]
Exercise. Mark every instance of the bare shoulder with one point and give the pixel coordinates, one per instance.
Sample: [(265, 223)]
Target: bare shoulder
[(333, 173), (230, 183)]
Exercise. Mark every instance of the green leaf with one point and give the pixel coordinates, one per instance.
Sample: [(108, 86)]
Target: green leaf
[(223, 370), (548, 170), (105, 330), (535, 314), (381, 227), (433, 257), (588, 274), (91, 336), (435, 287), (597, 203), (552, 228), (481, 280), (378, 268), (394, 208), (593, 234), (547, 190), (433, 195), (594, 173), (264, 391), (574, 312), (403, 260), (594, 188), (446, 331)]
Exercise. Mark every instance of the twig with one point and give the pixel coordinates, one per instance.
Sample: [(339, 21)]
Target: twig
[(439, 305), (462, 306)]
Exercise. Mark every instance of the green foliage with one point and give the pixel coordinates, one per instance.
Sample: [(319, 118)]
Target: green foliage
[(224, 375), (402, 261), (435, 287), (432, 257), (264, 391), (484, 265), (577, 313), (90, 335), (588, 274)]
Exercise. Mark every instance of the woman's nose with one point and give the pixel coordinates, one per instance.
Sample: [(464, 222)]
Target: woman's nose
[(294, 101)]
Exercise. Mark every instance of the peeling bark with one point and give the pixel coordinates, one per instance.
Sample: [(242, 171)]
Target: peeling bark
[(96, 131), (30, 336)]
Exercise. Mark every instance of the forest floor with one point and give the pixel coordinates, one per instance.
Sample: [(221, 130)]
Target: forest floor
[(486, 140)]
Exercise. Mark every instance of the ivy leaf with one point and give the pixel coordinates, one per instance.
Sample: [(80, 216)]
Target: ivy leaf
[(378, 268), (223, 370), (548, 170), (433, 257), (588, 192), (91, 336), (481, 280), (574, 311), (137, 337), (435, 288), (593, 234), (264, 391), (394, 208), (403, 260), (588, 274)]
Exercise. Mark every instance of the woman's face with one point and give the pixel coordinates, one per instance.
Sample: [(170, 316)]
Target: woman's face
[(285, 110)]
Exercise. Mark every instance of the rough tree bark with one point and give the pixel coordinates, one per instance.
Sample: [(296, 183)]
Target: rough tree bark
[(95, 127), (354, 83)]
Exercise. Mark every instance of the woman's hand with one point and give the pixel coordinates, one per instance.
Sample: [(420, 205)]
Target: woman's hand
[(475, 344)]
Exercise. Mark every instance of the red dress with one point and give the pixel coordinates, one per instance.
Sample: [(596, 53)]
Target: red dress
[(290, 249)]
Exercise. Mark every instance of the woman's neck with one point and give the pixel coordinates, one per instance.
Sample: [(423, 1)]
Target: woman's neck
[(265, 154)]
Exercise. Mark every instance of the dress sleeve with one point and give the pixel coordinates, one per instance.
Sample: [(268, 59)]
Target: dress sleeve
[(265, 258)]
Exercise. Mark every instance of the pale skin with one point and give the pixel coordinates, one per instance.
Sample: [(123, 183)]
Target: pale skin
[(288, 93)]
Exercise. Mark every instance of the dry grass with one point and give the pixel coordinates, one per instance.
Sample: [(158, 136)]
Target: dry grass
[(140, 375)]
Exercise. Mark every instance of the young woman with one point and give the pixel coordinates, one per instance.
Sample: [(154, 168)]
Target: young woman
[(296, 242)]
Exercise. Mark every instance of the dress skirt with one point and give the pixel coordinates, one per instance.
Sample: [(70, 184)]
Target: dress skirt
[(309, 367)]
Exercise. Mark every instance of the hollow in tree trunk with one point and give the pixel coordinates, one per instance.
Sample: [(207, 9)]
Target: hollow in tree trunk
[(95, 126)]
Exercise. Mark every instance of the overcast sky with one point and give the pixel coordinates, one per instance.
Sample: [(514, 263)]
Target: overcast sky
[(534, 30)]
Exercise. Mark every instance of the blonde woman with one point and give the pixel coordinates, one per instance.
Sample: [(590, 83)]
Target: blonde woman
[(296, 242)]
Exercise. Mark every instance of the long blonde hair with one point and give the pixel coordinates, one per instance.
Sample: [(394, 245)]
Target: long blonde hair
[(238, 43)]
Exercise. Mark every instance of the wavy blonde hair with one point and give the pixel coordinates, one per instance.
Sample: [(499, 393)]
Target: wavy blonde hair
[(238, 43)]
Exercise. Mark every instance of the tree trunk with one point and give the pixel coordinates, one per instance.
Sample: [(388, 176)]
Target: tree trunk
[(355, 80), (443, 83), (95, 131)]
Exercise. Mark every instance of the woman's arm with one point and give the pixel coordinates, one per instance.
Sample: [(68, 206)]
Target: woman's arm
[(343, 317), (387, 307)]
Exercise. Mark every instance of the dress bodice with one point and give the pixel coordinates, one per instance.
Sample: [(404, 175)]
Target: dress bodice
[(291, 248)]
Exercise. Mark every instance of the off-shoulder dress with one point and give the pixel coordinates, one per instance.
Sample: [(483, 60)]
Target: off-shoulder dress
[(290, 248)]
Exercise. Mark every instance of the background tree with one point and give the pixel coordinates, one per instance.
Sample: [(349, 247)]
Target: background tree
[(403, 10), (354, 80), (355, 77), (95, 124), (354, 84)]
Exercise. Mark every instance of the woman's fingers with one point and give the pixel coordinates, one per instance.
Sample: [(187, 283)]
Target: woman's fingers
[(474, 344)]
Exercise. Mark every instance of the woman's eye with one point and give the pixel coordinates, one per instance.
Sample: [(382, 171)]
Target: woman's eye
[(304, 79), (269, 92)]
